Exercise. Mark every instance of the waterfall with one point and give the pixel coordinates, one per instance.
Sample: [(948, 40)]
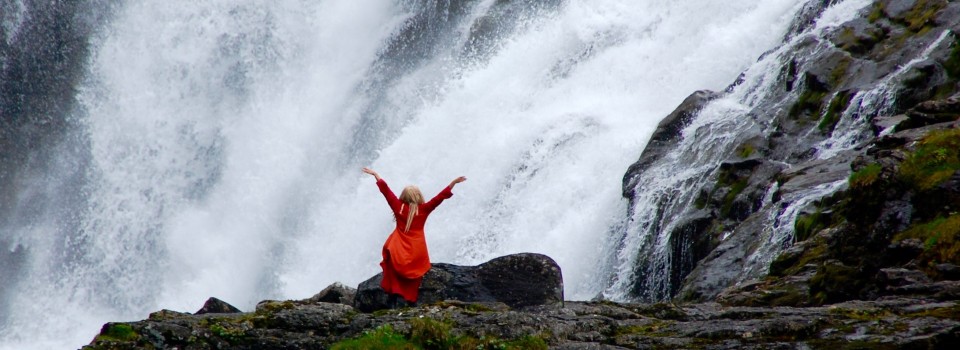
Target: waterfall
[(213, 148)]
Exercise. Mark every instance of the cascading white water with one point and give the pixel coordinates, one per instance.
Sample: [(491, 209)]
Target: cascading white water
[(668, 188), (226, 137)]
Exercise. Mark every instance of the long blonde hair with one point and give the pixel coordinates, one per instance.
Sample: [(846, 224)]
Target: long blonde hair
[(411, 195)]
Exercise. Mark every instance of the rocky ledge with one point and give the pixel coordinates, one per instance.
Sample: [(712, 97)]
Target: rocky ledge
[(894, 323), (515, 302)]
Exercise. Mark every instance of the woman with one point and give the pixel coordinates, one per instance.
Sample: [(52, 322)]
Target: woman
[(405, 257)]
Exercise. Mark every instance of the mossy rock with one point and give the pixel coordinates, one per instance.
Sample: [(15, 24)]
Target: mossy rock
[(941, 241), (836, 282), (936, 159)]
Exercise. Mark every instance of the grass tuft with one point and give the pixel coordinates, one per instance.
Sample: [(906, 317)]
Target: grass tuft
[(936, 159)]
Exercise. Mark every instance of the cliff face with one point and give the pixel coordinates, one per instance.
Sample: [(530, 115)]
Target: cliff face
[(781, 144)]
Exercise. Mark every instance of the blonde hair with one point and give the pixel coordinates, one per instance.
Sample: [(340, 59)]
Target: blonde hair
[(412, 196)]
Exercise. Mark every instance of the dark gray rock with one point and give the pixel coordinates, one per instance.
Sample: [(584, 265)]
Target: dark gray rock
[(518, 280), (216, 306), (666, 135), (896, 277), (336, 293), (949, 271)]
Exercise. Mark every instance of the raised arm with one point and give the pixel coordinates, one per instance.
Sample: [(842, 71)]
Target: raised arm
[(447, 192), (391, 198)]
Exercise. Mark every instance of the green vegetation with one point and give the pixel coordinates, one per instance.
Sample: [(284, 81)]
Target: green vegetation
[(806, 225), (866, 176), (785, 264), (430, 334), (952, 64), (829, 119), (745, 150), (936, 158), (653, 329), (941, 238), (835, 282), (919, 18), (878, 12), (809, 102), (228, 332), (949, 312), (382, 338), (118, 332), (735, 189)]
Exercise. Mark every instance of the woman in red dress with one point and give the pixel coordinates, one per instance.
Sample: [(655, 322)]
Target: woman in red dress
[(405, 257)]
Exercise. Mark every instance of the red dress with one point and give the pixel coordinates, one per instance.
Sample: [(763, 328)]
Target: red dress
[(405, 257)]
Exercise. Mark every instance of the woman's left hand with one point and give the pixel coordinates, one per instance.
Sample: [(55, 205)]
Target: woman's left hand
[(371, 172), (458, 180)]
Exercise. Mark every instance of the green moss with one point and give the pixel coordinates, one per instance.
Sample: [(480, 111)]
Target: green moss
[(941, 238), (807, 225), (701, 201), (872, 314), (229, 332), (921, 16), (839, 72), (835, 282), (878, 12), (866, 176), (272, 306), (735, 189), (809, 102), (936, 158), (118, 332), (745, 150), (952, 64), (381, 338), (428, 333), (786, 265), (829, 119), (950, 312), (653, 329)]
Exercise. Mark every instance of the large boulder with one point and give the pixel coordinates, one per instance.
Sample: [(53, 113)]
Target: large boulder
[(336, 293), (517, 280)]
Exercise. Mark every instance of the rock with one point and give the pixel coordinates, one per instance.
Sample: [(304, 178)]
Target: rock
[(948, 271), (335, 293), (666, 135), (896, 277), (518, 280), (216, 306)]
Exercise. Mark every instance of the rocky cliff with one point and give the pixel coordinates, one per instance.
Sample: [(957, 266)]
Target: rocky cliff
[(787, 142)]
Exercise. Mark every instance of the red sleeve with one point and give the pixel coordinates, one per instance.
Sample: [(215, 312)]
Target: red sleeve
[(436, 200), (388, 194)]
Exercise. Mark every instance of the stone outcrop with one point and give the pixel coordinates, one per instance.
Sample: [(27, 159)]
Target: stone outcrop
[(335, 293), (216, 306), (893, 323), (518, 280)]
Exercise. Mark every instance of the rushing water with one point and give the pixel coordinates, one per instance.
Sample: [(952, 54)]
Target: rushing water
[(218, 143)]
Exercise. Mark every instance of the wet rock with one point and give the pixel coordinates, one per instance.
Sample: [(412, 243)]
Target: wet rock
[(335, 293), (666, 136), (931, 112), (216, 306), (518, 280)]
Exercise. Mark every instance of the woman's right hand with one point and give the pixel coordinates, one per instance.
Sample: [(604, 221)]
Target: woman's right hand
[(458, 180)]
